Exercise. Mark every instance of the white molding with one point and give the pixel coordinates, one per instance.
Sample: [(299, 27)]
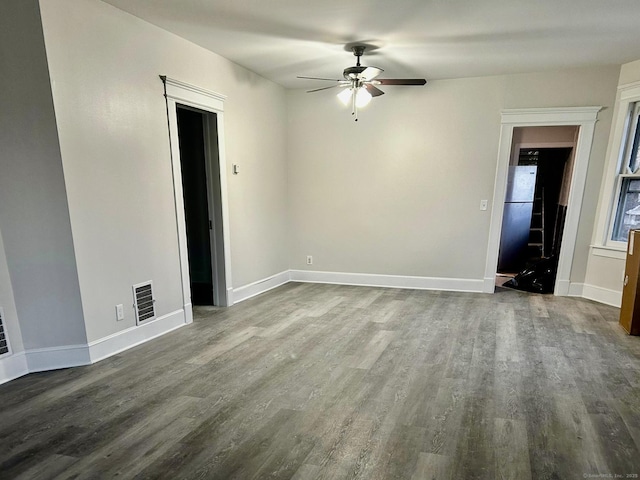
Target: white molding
[(177, 92), (575, 289), (610, 186), (562, 287), (192, 94), (13, 366), (131, 337), (609, 252), (550, 116), (188, 313), (602, 295), (256, 288), (53, 358), (584, 118), (629, 90), (230, 298), (489, 285), (389, 281)]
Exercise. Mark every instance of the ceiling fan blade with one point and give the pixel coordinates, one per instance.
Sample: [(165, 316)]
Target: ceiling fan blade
[(370, 73), (319, 78), (401, 81), (323, 88), (373, 90)]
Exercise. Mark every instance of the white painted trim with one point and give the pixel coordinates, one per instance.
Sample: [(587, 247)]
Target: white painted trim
[(131, 337), (256, 288), (13, 366), (489, 285), (540, 117), (389, 281), (195, 96), (53, 358), (575, 289), (610, 186), (628, 86), (178, 92), (609, 252), (602, 295), (584, 118)]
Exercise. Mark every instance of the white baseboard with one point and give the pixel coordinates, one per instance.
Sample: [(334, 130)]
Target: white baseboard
[(575, 289), (261, 286), (13, 366), (131, 337), (53, 358), (390, 281), (43, 359), (489, 285), (602, 295), (562, 288)]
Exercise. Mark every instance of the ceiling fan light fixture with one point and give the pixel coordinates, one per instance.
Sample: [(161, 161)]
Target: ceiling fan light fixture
[(363, 97), (345, 96)]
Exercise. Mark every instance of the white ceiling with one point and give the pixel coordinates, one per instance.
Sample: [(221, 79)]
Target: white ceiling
[(434, 39)]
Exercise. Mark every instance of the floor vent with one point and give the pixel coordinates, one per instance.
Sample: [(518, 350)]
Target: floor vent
[(4, 341), (144, 302)]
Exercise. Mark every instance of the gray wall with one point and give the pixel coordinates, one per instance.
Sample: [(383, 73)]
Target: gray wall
[(110, 109), (398, 192), (34, 214)]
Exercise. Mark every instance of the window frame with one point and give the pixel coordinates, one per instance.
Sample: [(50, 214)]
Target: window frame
[(627, 108)]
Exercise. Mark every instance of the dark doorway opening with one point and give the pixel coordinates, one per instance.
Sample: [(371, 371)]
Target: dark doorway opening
[(193, 136), (534, 213)]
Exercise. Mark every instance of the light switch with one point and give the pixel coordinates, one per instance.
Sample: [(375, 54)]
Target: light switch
[(484, 204), (236, 169)]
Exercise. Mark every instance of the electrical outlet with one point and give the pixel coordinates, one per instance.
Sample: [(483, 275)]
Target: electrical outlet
[(484, 204), (309, 260), (119, 312)]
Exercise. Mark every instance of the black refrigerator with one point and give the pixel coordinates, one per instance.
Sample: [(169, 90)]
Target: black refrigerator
[(516, 220)]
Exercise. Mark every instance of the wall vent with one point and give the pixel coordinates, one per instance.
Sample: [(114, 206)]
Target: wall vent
[(144, 303), (4, 341)]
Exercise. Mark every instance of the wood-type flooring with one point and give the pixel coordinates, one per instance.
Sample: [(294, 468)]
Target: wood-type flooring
[(314, 381)]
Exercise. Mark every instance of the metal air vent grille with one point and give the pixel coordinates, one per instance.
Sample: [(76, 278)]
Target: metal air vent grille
[(4, 341), (144, 303)]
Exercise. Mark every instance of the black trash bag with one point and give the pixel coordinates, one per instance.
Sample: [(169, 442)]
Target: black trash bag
[(537, 278)]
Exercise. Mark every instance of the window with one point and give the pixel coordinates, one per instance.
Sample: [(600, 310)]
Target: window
[(627, 214)]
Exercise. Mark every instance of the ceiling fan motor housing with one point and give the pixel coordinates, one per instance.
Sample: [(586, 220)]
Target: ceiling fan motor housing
[(351, 73)]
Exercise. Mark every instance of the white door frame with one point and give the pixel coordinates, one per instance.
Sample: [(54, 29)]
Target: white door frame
[(583, 117), (177, 92)]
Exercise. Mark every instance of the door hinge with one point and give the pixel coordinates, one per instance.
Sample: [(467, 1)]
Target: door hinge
[(210, 225)]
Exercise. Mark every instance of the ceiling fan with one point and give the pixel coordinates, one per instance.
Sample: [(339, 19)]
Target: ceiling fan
[(360, 83)]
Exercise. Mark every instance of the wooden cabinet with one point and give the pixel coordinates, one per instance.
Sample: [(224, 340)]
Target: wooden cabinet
[(630, 308)]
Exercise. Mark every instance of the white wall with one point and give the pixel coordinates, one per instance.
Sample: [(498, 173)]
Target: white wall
[(104, 66), (398, 192), (33, 205)]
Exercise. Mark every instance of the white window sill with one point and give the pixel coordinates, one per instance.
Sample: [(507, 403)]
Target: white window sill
[(609, 252)]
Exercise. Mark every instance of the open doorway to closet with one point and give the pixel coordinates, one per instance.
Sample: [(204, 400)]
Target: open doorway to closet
[(537, 194), (199, 161)]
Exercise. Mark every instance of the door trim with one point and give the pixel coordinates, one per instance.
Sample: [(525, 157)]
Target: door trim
[(582, 117), (177, 92)]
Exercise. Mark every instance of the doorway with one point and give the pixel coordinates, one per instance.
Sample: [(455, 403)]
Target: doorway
[(534, 212), (199, 160), (211, 105), (195, 189), (582, 118)]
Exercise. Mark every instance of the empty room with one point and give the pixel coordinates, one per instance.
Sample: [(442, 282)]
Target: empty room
[(309, 240)]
